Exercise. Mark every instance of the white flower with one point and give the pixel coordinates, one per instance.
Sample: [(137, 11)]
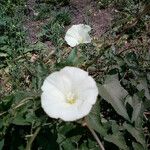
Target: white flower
[(78, 34), (68, 94)]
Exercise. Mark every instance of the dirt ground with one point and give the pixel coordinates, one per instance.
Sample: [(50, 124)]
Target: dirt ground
[(82, 11), (86, 11)]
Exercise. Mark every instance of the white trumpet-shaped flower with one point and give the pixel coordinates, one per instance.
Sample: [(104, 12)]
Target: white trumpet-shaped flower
[(78, 34), (68, 94)]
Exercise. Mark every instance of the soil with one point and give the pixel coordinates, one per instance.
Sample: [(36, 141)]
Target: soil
[(33, 27), (83, 11), (86, 11)]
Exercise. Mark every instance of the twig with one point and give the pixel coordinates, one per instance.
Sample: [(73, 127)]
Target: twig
[(1, 114), (29, 144), (147, 113), (94, 135)]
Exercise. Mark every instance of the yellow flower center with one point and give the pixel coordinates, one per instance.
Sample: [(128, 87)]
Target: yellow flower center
[(71, 98), (71, 101), (80, 39)]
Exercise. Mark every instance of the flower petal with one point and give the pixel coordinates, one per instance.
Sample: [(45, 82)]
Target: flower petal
[(85, 109), (87, 28), (75, 74), (71, 40), (68, 82), (78, 34), (70, 114), (52, 103), (58, 82), (86, 37)]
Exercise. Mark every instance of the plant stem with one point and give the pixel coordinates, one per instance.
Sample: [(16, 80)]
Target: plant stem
[(95, 136), (29, 144)]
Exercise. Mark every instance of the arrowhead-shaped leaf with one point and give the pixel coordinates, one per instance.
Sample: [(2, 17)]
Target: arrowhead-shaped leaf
[(115, 94)]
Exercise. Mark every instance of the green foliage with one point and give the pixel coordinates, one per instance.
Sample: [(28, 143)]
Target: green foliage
[(58, 2), (115, 94), (64, 17), (52, 31), (137, 134), (117, 134), (1, 144), (122, 73)]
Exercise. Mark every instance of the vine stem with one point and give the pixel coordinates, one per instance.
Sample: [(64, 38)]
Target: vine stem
[(29, 144), (94, 135)]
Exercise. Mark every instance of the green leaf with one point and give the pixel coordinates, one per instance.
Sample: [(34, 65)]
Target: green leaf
[(115, 126), (115, 94), (137, 146), (94, 120), (39, 46), (3, 40), (136, 133), (1, 144), (65, 128), (67, 145), (69, 134), (6, 49), (1, 123), (136, 111), (144, 86), (138, 108), (20, 121), (117, 139), (3, 54), (72, 58)]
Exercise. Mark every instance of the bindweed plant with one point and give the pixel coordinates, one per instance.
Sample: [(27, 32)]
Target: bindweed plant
[(94, 95)]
